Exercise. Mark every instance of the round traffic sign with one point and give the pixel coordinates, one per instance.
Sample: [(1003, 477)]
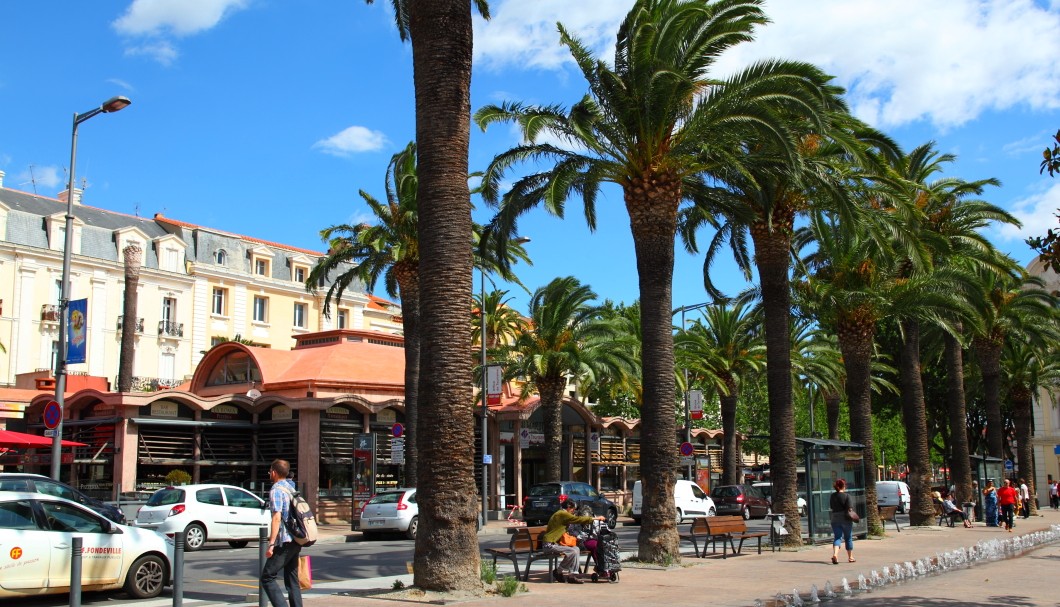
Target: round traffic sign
[(53, 414), (397, 430), (686, 449)]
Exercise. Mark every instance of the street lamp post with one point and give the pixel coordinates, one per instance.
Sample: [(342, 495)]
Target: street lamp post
[(111, 105), (688, 421), (485, 385)]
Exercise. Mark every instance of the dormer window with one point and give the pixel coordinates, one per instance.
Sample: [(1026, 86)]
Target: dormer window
[(220, 257), (261, 267), (300, 273)]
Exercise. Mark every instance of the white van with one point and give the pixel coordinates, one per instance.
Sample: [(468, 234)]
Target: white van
[(893, 493), (689, 500)]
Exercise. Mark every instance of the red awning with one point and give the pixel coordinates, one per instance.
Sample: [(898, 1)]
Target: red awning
[(19, 440)]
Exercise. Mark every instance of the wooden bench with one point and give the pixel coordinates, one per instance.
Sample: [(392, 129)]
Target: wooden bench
[(526, 544), (943, 517), (728, 529), (887, 513)]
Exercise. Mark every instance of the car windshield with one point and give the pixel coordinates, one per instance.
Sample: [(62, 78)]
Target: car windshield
[(391, 497), (729, 491), (165, 497), (544, 490)]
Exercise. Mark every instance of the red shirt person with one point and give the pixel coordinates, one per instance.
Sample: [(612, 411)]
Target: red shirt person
[(1006, 502)]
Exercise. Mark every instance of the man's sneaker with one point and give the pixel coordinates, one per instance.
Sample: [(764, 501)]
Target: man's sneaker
[(573, 579), (558, 575)]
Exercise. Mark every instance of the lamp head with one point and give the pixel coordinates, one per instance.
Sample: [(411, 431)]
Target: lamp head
[(115, 104), (521, 239)]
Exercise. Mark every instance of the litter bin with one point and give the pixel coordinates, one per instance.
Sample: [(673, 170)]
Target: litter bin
[(969, 511), (777, 531)]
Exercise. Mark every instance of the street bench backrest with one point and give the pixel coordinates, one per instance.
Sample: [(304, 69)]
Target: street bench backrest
[(725, 524), (887, 512), (699, 526), (529, 538)]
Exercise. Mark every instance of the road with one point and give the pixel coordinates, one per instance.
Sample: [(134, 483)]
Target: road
[(221, 574)]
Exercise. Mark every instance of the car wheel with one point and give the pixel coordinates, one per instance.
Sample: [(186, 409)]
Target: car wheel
[(146, 577), (194, 537), (712, 512), (414, 526), (746, 514), (611, 518), (680, 516), (369, 536), (901, 509), (238, 543)]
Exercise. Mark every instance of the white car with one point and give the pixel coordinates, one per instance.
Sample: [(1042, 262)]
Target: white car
[(767, 488), (689, 500), (206, 513), (893, 493), (391, 510), (37, 533)]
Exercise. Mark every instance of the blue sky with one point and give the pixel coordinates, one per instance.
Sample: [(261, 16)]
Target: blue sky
[(265, 117)]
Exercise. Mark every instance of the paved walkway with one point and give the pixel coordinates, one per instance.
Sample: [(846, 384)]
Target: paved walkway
[(740, 581)]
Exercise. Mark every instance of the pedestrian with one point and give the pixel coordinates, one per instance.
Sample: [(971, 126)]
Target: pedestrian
[(557, 526), (282, 552), (1006, 501), (842, 526), (1054, 495), (990, 503), (951, 510), (1025, 498)]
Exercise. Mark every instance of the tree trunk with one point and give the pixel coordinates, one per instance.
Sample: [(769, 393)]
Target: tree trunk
[(855, 342), (551, 391), (918, 454), (730, 474), (1022, 409), (831, 407), (410, 320), (447, 550), (988, 352), (133, 256), (960, 464), (772, 256), (652, 202)]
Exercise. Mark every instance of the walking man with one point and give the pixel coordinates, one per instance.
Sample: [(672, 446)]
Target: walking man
[(1006, 501), (1025, 498), (282, 553), (1054, 496)]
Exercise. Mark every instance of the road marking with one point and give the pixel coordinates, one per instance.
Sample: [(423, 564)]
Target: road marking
[(240, 583)]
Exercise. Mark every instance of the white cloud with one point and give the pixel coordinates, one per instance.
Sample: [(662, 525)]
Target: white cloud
[(41, 179), (1036, 212), (121, 83), (352, 140), (151, 25), (1033, 143), (941, 61)]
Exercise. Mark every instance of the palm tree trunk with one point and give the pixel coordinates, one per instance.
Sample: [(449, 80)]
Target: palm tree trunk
[(652, 207), (831, 407), (133, 256), (1021, 399), (855, 342), (772, 257), (551, 391), (730, 474), (410, 320), (960, 464), (447, 551), (918, 454), (988, 352)]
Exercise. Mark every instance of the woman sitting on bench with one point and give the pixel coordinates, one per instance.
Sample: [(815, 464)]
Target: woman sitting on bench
[(557, 527), (951, 510)]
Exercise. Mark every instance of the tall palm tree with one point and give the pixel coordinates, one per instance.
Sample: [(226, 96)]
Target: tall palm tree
[(133, 257), (725, 347), (654, 123), (503, 322), (567, 337)]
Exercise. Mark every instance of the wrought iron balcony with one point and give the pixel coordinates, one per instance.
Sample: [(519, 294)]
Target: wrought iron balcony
[(170, 328), (139, 324), (49, 313)]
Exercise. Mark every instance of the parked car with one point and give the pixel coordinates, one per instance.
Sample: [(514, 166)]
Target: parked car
[(391, 510), (893, 493), (766, 487), (690, 501), (543, 499), (37, 483), (744, 500), (37, 530), (205, 513)]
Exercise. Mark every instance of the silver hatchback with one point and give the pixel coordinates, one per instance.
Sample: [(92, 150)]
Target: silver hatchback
[(391, 510)]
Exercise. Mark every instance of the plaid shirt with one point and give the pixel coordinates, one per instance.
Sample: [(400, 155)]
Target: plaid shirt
[(280, 501)]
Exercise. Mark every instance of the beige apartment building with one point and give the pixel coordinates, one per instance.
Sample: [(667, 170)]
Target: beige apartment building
[(1046, 417)]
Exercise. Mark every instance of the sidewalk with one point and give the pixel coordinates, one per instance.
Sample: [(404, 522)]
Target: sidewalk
[(738, 581)]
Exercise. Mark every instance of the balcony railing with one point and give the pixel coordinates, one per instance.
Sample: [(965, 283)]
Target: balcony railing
[(151, 384), (170, 328), (49, 313), (139, 324)]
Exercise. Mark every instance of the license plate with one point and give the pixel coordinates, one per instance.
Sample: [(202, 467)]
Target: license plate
[(540, 504), (375, 523)]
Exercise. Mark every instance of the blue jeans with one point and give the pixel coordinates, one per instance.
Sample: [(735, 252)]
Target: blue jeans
[(841, 531), (284, 558)]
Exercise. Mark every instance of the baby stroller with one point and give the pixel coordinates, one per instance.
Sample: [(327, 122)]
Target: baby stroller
[(608, 553)]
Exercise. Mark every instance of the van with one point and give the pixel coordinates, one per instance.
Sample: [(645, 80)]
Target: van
[(689, 501), (893, 493)]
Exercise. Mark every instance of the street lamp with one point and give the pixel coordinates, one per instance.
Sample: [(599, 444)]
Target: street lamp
[(688, 422), (485, 385), (114, 104)]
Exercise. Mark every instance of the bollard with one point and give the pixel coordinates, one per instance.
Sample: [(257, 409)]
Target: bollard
[(75, 573), (178, 569), (263, 545)]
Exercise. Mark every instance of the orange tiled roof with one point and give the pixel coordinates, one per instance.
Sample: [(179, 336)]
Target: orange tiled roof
[(341, 363)]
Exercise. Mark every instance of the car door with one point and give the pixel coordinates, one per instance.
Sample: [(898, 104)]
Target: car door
[(757, 500), (209, 507), (25, 554), (101, 556), (246, 513), (698, 502)]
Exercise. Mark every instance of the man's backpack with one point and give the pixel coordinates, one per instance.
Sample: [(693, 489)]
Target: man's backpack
[(300, 523)]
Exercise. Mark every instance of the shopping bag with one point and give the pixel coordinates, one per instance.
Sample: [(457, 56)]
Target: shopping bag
[(305, 573)]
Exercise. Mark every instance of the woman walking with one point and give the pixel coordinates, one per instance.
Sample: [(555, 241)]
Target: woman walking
[(990, 504), (842, 526)]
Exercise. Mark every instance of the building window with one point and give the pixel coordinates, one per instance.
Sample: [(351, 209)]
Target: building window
[(299, 274), (344, 319), (220, 299), (261, 267), (169, 309), (221, 257), (299, 315), (261, 309), (169, 259)]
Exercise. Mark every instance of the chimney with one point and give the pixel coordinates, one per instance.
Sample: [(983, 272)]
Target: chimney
[(1, 179), (77, 196)]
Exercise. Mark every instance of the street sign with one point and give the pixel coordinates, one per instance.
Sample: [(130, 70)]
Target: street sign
[(53, 414), (1009, 466), (594, 442), (487, 459), (50, 432), (695, 404), (685, 462), (494, 384), (687, 450), (397, 430)]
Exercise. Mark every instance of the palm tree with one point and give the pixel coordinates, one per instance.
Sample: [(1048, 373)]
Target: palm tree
[(654, 124), (503, 323), (132, 256), (724, 348), (567, 337)]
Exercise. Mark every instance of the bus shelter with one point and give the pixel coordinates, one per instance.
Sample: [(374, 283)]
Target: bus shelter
[(825, 461), (985, 468)]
